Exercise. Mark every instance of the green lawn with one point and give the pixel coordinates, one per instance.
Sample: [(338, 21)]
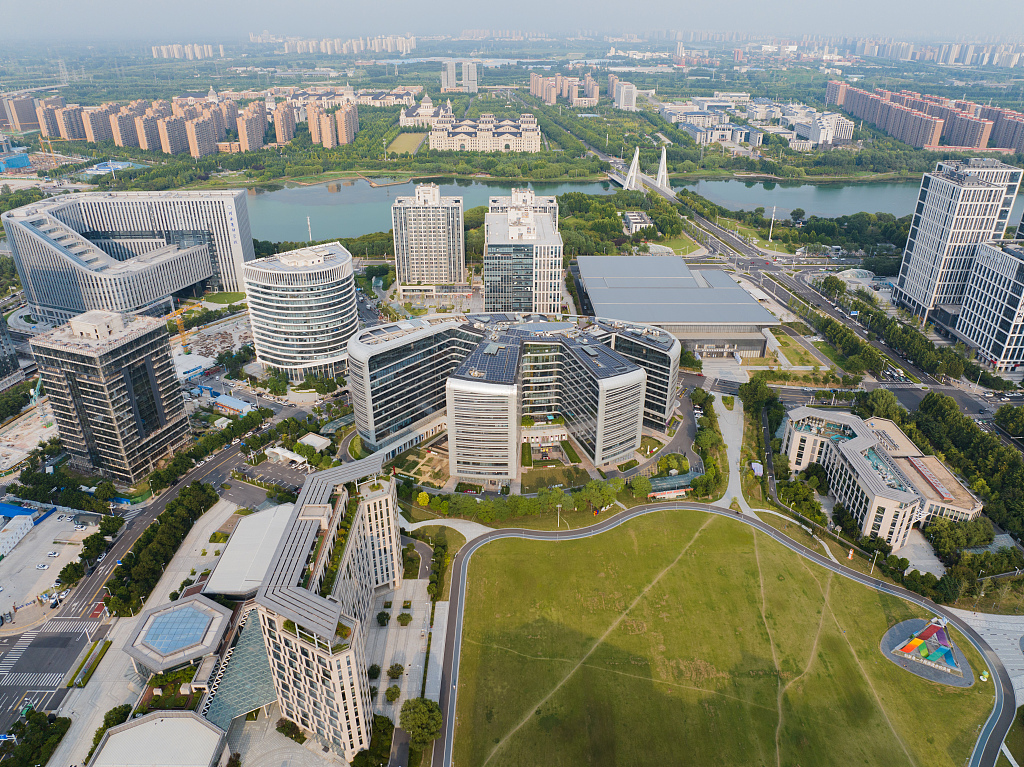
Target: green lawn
[(406, 142), (684, 638), (566, 476), (224, 298), (649, 444), (795, 352), (828, 351), (681, 245)]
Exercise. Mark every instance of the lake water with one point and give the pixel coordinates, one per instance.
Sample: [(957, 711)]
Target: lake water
[(351, 208), (826, 200)]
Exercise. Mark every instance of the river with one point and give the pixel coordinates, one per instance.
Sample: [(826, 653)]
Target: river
[(352, 207)]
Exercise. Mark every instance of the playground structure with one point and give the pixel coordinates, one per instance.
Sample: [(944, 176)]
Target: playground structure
[(932, 647)]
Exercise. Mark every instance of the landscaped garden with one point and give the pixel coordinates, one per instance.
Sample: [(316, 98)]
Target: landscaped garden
[(684, 637), (558, 476)]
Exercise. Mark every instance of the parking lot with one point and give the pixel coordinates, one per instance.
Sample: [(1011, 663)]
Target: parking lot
[(19, 578), (289, 477)]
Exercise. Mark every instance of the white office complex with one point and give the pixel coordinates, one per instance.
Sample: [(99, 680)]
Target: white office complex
[(876, 472), (302, 308), (126, 251), (961, 204), (526, 199), (315, 602), (522, 262), (486, 134), (430, 248), (992, 317), (480, 375)]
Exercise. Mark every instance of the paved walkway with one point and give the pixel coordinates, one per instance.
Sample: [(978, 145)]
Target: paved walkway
[(261, 745), (921, 555), (731, 424), (1005, 635), (395, 643), (469, 529), (115, 681)]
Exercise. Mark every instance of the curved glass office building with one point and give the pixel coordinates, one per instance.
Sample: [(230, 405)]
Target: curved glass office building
[(480, 375), (302, 307)]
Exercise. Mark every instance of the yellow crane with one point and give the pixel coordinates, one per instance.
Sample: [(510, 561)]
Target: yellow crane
[(176, 316)]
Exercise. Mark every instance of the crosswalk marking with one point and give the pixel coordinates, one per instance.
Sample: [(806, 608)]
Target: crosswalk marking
[(33, 680), (129, 516), (12, 657), (67, 625)]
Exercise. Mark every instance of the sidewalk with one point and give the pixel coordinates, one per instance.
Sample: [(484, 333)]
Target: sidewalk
[(115, 680), (731, 424)]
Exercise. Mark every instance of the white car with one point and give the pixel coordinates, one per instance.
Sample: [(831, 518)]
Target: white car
[(80, 527), (64, 593), (53, 554), (42, 567), (60, 517)]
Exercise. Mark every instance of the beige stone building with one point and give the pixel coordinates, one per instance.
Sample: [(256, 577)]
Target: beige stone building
[(486, 134)]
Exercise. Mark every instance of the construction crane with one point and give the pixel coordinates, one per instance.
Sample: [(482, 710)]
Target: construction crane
[(176, 316)]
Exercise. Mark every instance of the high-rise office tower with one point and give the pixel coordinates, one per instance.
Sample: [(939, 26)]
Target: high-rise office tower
[(8, 355), (448, 78), (959, 205), (429, 238), (126, 251), (992, 318), (625, 96), (302, 308), (522, 262), (470, 75), (315, 628), (114, 393)]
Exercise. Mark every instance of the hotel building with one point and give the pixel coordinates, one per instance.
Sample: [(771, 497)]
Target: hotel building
[(429, 237), (876, 472)]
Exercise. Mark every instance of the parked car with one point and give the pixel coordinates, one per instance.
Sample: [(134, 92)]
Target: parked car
[(79, 527), (42, 567), (60, 517), (53, 554)]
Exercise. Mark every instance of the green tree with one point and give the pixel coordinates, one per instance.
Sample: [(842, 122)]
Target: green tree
[(395, 670), (393, 693), (373, 672), (423, 499), (641, 486), (421, 718), (72, 573)]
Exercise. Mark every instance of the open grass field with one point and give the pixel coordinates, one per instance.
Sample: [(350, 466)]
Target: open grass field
[(681, 245), (407, 142), (684, 638)]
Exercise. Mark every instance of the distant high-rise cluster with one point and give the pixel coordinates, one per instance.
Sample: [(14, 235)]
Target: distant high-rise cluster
[(623, 93), (922, 120), (338, 47), (190, 51), (332, 129), (580, 92), (470, 77), (191, 124)]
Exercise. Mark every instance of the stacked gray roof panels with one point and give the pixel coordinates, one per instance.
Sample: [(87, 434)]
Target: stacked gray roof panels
[(662, 289)]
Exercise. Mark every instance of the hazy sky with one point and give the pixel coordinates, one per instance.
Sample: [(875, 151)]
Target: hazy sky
[(207, 20)]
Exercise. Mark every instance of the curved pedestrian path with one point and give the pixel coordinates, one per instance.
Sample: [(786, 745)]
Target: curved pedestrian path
[(990, 737)]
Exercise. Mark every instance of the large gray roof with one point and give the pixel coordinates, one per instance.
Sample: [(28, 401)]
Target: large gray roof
[(663, 290)]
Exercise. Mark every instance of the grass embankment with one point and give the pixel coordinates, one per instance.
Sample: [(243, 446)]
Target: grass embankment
[(680, 627)]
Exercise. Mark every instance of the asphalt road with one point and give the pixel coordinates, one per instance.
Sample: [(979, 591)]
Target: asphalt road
[(990, 738)]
